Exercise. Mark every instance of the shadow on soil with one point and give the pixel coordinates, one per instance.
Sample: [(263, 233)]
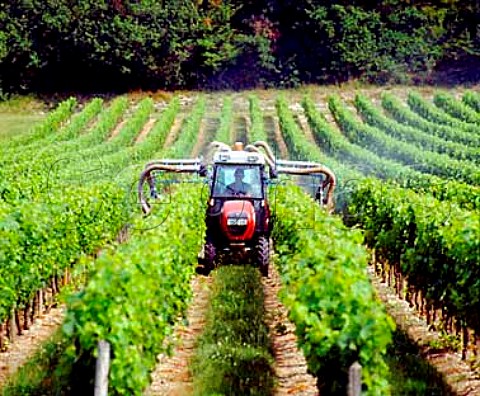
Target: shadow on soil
[(412, 375)]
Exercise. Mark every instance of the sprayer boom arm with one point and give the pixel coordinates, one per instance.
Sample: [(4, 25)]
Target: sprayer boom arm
[(218, 152), (166, 165)]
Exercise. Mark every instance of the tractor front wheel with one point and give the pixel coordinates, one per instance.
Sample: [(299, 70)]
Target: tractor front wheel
[(210, 256), (262, 255), (206, 260)]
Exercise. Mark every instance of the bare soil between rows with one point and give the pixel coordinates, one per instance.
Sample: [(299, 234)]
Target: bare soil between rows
[(171, 376), (290, 369), (26, 345)]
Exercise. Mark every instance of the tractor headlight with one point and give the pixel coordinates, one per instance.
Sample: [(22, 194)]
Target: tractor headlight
[(233, 221)]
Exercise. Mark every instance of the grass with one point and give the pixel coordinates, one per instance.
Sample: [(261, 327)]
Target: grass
[(41, 375), (12, 124), (22, 105), (19, 114), (233, 354)]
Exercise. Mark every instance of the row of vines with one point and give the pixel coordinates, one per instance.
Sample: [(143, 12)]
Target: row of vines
[(418, 207), (408, 175)]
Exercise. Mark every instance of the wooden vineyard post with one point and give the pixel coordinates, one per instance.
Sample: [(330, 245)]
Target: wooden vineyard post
[(2, 341), (33, 311), (465, 340), (101, 369), (398, 280), (46, 299), (12, 327), (41, 302), (26, 317), (355, 380), (17, 322), (58, 284), (477, 347), (65, 280)]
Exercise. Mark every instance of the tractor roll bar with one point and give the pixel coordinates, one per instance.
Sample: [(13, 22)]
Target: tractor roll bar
[(212, 147)]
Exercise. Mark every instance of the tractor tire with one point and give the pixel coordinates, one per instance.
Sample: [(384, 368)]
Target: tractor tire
[(262, 255), (210, 257)]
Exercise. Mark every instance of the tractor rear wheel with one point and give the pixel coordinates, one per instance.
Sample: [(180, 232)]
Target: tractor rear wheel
[(262, 255)]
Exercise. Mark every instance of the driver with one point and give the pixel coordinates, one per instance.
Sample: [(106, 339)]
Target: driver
[(239, 186)]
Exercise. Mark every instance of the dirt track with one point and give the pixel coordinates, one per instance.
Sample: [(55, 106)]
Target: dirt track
[(26, 345), (290, 365), (171, 377)]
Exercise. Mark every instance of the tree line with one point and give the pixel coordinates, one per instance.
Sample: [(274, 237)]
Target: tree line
[(52, 45)]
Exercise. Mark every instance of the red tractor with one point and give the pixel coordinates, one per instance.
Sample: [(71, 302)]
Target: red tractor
[(238, 217)]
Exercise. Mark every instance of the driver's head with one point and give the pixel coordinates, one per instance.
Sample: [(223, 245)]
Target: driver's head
[(239, 173)]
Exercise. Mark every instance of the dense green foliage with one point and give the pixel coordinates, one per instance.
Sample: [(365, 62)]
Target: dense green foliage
[(224, 130), (435, 243), (422, 222), (87, 45), (472, 99), (69, 211), (437, 115), (374, 117), (136, 294), (40, 374), (35, 165), (329, 295), (403, 114), (383, 144), (257, 130), (338, 146)]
